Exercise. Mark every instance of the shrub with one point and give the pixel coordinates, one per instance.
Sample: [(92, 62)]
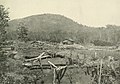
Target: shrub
[(102, 43)]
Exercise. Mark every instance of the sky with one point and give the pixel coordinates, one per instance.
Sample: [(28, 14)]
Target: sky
[(95, 13)]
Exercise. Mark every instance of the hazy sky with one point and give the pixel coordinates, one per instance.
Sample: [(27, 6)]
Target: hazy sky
[(88, 12)]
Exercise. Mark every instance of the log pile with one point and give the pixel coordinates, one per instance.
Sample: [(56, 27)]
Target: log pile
[(43, 59), (59, 68)]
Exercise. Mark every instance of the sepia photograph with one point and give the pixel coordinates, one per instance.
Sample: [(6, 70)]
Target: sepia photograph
[(59, 41)]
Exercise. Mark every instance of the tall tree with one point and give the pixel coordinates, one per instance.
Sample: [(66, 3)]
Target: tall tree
[(22, 32), (4, 18)]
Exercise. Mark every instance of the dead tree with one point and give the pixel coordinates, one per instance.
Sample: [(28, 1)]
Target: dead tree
[(58, 72)]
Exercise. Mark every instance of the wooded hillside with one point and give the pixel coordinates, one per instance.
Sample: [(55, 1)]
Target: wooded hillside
[(56, 28)]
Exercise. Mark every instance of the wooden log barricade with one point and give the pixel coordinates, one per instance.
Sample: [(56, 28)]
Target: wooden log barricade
[(42, 59), (37, 59), (29, 61), (58, 69)]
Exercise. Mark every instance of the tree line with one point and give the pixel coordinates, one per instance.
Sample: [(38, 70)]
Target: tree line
[(106, 35)]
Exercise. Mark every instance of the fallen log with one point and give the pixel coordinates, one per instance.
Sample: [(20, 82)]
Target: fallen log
[(49, 56), (48, 67), (44, 57)]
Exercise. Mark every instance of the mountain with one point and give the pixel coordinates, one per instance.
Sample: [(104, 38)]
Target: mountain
[(46, 22)]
